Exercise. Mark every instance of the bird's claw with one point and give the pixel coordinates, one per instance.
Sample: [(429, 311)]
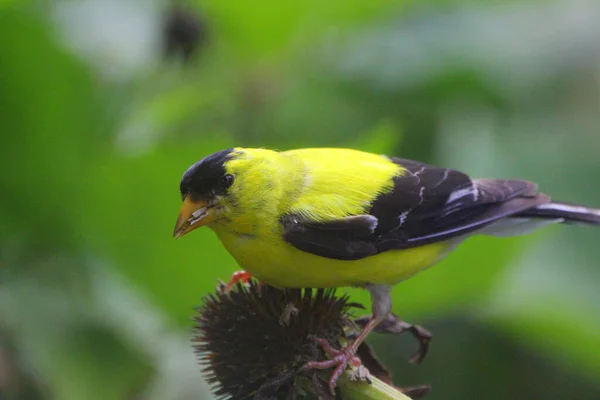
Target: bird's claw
[(237, 277), (393, 324), (424, 337), (340, 359)]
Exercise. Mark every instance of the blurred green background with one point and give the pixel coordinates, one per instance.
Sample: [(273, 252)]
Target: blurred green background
[(104, 104)]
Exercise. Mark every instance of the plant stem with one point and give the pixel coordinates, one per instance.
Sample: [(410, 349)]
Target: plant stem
[(360, 390), (376, 390)]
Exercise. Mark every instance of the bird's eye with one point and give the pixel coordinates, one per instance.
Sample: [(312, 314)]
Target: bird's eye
[(226, 181)]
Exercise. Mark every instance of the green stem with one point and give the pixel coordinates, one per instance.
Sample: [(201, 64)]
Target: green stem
[(359, 390), (376, 390)]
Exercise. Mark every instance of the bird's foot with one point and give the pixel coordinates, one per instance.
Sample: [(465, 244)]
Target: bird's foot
[(237, 277), (393, 324), (338, 359)]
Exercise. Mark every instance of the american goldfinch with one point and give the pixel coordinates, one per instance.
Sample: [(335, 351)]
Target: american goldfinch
[(333, 217)]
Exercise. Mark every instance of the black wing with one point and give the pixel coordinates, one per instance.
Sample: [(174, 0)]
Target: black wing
[(427, 204)]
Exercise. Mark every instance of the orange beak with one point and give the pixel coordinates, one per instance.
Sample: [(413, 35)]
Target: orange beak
[(193, 215)]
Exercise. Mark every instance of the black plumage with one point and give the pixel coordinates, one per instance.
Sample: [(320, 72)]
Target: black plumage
[(206, 178), (427, 204)]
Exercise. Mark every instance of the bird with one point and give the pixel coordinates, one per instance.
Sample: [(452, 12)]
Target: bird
[(333, 217)]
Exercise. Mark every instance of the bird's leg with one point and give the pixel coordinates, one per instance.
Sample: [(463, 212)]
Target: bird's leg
[(393, 324), (382, 306), (239, 276)]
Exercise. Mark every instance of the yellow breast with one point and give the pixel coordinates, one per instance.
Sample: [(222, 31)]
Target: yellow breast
[(282, 265)]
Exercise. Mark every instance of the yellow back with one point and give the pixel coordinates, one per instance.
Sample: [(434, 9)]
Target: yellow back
[(341, 182)]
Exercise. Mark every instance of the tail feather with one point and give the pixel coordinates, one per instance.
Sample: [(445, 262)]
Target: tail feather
[(569, 213)]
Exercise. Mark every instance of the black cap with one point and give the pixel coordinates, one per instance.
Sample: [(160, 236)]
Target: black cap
[(207, 177)]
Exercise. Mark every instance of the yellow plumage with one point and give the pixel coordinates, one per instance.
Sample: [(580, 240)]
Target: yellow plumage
[(323, 185), (272, 260)]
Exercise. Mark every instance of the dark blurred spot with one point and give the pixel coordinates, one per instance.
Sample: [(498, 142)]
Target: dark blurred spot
[(16, 380), (184, 33)]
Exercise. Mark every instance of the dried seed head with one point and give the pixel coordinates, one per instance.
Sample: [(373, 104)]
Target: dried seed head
[(253, 341)]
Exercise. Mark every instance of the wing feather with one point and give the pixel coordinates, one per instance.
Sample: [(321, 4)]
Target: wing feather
[(427, 204)]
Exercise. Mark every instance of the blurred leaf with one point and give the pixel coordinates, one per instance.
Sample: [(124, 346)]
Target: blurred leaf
[(550, 300), (383, 137), (92, 363), (262, 27), (412, 52), (53, 125), (65, 344)]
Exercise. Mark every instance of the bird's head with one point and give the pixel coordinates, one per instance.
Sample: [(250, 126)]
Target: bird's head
[(233, 186)]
